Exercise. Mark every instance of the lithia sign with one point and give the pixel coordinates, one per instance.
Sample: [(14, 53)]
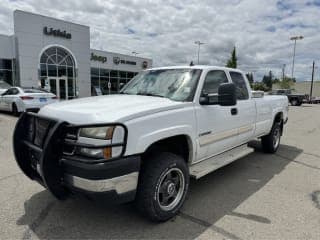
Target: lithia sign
[(56, 33)]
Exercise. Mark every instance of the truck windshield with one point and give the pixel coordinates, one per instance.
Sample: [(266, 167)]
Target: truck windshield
[(175, 84)]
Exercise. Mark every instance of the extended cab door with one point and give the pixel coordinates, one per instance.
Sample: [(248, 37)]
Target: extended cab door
[(217, 125), (246, 108)]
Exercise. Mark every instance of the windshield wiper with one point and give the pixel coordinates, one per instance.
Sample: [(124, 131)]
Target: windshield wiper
[(149, 94)]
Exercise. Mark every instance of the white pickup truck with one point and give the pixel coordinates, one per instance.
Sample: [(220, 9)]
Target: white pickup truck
[(166, 125)]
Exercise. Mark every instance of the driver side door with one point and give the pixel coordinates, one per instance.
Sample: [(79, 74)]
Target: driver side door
[(217, 126)]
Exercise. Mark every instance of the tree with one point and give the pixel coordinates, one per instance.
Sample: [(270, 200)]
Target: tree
[(267, 80), (232, 62), (286, 83), (250, 78)]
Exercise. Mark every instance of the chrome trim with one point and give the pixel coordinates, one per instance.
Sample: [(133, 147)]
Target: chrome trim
[(215, 137), (121, 184)]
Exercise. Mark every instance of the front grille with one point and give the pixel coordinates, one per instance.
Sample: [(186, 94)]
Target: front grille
[(41, 131)]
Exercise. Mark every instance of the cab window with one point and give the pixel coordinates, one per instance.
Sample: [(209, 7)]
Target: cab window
[(213, 80), (242, 90)]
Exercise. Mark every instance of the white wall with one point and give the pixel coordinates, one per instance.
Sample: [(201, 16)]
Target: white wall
[(31, 41), (7, 47)]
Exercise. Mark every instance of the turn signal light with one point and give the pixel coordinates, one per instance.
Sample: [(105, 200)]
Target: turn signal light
[(26, 97), (55, 97), (107, 152)]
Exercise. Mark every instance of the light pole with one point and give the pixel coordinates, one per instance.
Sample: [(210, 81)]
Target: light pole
[(135, 53), (283, 71), (198, 43), (295, 38)]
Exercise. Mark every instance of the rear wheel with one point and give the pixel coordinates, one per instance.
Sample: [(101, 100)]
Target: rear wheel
[(270, 143), (15, 111), (294, 102), (163, 185)]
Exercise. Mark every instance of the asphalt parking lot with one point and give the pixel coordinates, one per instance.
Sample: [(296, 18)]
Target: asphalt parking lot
[(257, 197)]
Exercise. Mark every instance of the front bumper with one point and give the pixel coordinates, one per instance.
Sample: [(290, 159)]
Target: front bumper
[(43, 153)]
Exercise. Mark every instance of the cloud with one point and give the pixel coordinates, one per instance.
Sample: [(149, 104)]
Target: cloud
[(166, 30)]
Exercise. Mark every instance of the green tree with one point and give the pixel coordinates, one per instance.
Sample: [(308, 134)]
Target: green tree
[(260, 86), (286, 83), (250, 78), (232, 62), (267, 80)]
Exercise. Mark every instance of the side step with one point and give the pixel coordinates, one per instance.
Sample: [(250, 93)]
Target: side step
[(204, 167)]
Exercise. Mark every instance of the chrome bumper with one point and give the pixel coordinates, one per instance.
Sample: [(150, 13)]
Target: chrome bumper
[(121, 184)]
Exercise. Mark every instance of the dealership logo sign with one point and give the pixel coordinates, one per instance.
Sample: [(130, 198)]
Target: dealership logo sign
[(56, 33), (144, 64), (98, 58), (117, 61)]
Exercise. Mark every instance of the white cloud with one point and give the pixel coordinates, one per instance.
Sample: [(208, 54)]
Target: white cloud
[(166, 30)]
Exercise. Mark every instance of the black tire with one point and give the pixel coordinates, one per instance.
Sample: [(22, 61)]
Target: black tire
[(294, 102), (154, 178), (271, 142), (15, 111)]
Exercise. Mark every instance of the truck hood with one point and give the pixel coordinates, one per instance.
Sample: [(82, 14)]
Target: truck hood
[(109, 108)]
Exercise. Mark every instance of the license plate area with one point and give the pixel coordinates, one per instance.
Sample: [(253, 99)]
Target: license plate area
[(42, 99)]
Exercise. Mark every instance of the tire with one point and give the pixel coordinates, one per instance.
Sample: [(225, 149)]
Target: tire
[(271, 142), (294, 102), (15, 111), (163, 185)]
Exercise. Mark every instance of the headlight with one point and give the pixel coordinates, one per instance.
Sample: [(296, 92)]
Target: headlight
[(97, 132), (100, 136)]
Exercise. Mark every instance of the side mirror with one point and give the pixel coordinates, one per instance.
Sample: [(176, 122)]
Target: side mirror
[(227, 94)]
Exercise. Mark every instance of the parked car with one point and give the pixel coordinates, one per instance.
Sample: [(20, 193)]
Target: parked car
[(144, 144), (294, 99), (17, 100), (4, 86)]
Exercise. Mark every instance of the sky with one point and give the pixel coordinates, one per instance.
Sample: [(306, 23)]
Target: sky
[(166, 30)]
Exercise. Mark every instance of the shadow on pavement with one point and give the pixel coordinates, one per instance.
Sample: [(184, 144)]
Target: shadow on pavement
[(210, 198)]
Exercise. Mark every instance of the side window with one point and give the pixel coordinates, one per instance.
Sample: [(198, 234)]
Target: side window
[(8, 92), (213, 80), (14, 91), (242, 90)]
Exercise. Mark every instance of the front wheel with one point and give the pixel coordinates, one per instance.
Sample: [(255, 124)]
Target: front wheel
[(15, 111), (270, 143), (163, 185)]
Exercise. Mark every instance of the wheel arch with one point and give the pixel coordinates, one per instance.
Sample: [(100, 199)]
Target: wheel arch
[(180, 145)]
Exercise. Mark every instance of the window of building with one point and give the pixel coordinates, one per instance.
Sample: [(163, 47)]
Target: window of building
[(242, 90), (110, 81), (6, 71), (57, 63)]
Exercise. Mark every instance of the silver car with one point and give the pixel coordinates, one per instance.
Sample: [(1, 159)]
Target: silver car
[(17, 100)]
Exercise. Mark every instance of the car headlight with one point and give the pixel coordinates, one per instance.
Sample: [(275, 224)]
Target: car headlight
[(112, 137)]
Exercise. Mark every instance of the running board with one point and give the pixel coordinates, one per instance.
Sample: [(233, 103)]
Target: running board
[(204, 167)]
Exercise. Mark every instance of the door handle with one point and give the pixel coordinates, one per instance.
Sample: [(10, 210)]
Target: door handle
[(234, 111)]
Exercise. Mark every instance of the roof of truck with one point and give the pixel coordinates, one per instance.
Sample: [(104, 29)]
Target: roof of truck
[(203, 67)]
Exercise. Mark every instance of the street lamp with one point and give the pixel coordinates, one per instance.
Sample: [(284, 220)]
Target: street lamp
[(135, 53), (198, 43), (295, 38)]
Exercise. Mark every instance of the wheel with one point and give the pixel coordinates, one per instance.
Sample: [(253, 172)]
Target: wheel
[(15, 111), (163, 185), (294, 102), (270, 143)]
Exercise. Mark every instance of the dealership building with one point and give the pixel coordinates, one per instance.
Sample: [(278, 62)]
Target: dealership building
[(55, 55)]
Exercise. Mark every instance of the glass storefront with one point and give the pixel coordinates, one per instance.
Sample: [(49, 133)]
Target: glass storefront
[(6, 71), (109, 81)]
